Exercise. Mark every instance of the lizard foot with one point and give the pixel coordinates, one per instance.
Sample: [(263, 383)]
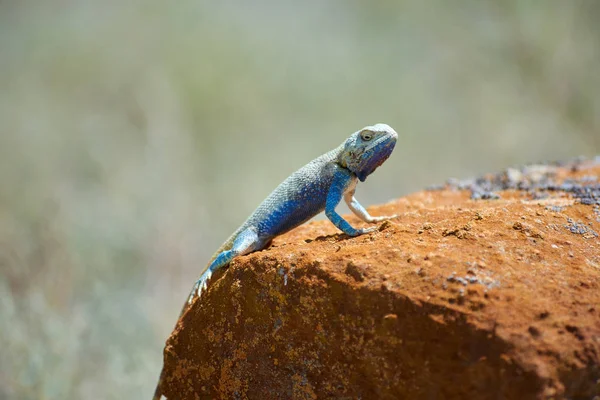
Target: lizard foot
[(362, 231), (382, 218)]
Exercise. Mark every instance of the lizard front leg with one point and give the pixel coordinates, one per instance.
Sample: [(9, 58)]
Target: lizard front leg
[(342, 179), (360, 211)]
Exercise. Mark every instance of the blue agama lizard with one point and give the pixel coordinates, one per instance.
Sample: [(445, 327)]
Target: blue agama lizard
[(319, 185)]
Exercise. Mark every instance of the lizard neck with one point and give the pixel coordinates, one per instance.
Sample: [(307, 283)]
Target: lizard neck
[(337, 155)]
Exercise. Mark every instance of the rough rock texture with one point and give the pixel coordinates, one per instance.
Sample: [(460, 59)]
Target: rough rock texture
[(482, 289)]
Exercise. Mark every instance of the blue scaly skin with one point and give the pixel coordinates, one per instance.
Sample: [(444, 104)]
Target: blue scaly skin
[(319, 185)]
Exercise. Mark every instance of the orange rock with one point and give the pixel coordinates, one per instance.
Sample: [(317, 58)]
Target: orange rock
[(455, 299)]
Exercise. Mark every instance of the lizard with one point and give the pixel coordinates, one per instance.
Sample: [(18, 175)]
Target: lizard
[(319, 185)]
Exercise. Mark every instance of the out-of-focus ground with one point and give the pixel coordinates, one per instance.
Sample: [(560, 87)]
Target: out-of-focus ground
[(135, 137)]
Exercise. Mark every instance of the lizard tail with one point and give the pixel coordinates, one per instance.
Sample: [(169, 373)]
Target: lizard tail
[(158, 390), (225, 246)]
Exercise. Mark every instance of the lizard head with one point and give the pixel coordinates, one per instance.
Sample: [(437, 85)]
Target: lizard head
[(367, 149)]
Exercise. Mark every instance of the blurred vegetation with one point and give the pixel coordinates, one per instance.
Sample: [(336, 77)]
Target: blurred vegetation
[(134, 137)]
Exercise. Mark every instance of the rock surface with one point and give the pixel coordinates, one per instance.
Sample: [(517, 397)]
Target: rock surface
[(483, 289)]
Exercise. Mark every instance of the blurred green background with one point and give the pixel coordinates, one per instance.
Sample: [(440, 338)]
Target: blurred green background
[(136, 136)]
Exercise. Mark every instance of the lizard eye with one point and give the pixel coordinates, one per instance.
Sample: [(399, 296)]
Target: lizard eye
[(366, 135)]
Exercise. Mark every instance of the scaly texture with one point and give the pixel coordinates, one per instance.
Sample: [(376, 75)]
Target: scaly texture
[(319, 185)]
